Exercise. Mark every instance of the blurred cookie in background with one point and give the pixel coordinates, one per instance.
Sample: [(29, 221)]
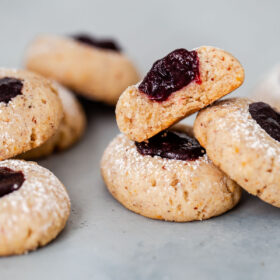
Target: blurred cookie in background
[(70, 130), (268, 89), (96, 69)]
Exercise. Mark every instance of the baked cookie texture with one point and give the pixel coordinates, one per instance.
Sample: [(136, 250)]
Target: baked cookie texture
[(32, 117), (71, 128), (34, 214), (268, 89), (166, 189), (241, 148), (141, 118), (95, 73)]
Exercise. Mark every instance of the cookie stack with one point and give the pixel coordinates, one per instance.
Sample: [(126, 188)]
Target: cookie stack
[(155, 167), (158, 169), (39, 116)]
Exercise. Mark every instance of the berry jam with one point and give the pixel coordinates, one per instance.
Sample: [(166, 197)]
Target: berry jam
[(171, 73), (9, 88), (102, 44), (10, 180), (171, 145), (267, 118)]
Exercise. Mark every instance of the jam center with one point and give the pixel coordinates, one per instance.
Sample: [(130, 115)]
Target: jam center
[(171, 73), (9, 88), (102, 44), (171, 145), (267, 118), (10, 180)]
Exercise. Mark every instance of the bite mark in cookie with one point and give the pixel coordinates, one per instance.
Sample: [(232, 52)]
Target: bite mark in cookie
[(10, 180), (267, 118), (171, 73), (215, 71), (171, 145), (9, 88)]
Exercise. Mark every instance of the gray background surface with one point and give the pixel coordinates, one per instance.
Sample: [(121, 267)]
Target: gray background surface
[(103, 240)]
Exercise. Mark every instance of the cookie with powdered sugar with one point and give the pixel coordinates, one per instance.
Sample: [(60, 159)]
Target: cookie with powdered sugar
[(242, 137), (34, 206), (30, 111), (178, 85), (169, 177), (70, 130), (95, 69)]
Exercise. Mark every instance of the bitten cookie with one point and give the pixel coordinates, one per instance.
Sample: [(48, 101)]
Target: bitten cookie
[(169, 177), (70, 130), (177, 85), (30, 111), (268, 90), (242, 138), (95, 69), (34, 206)]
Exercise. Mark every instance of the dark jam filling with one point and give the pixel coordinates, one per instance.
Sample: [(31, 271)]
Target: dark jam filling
[(102, 44), (267, 118), (10, 180), (171, 145), (9, 88), (171, 73)]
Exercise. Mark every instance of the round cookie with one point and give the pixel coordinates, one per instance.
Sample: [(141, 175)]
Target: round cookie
[(242, 138), (34, 206), (177, 85), (94, 69), (268, 90), (175, 186), (70, 130), (30, 111)]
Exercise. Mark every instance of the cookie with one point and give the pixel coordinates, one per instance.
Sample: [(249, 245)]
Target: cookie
[(70, 130), (242, 138), (268, 90), (94, 69), (168, 177), (34, 206), (177, 85), (30, 111)]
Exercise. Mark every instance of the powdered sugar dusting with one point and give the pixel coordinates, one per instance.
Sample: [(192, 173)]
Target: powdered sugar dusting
[(246, 128), (169, 189), (42, 199), (130, 158)]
